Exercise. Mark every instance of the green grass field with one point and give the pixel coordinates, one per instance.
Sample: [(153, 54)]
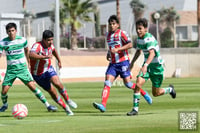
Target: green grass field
[(160, 117)]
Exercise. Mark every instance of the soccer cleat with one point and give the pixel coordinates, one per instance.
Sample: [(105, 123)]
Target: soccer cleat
[(148, 98), (52, 108), (3, 108), (173, 92), (69, 112), (99, 107), (72, 104), (133, 112)]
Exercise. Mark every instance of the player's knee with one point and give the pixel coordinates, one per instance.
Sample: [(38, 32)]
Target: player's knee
[(57, 83), (129, 85), (108, 83), (156, 93)]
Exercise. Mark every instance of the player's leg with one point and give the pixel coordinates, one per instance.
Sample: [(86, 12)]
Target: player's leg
[(4, 98), (52, 91), (131, 85), (105, 93), (54, 79), (7, 83), (111, 75), (40, 96), (25, 76), (62, 90), (136, 96), (157, 90), (157, 77), (125, 74)]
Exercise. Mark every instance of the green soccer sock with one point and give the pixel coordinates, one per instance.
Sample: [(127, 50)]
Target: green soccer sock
[(4, 98), (136, 100), (40, 96), (167, 90)]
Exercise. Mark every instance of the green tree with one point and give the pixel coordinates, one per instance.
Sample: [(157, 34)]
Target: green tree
[(118, 12), (138, 8), (63, 16), (97, 19), (78, 11), (168, 17)]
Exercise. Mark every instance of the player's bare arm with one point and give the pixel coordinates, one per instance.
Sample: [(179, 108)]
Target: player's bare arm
[(55, 53), (36, 56), (27, 56), (125, 47), (148, 61), (137, 54)]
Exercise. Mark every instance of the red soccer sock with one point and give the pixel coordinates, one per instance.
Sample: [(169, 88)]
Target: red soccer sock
[(61, 102), (64, 94), (105, 95), (141, 90)]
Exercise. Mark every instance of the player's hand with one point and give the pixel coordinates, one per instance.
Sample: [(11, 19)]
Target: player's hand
[(114, 50), (59, 65), (47, 56), (144, 70), (108, 57)]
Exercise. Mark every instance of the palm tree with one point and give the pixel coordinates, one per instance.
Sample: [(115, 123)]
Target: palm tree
[(138, 8), (78, 11), (118, 12), (24, 4), (168, 17), (28, 18), (97, 19), (63, 15)]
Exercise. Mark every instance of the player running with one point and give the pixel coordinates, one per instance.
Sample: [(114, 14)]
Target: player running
[(44, 73), (152, 67), (118, 43), (16, 49)]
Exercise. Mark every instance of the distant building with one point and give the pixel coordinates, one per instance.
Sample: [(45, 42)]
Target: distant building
[(6, 18), (186, 28)]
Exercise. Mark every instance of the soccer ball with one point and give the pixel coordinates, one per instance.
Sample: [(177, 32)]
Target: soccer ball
[(19, 111)]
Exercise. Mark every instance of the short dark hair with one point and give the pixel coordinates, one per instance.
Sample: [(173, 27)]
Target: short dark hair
[(47, 34), (11, 25), (112, 18), (142, 21)]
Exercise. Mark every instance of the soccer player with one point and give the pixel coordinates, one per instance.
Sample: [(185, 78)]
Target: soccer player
[(44, 73), (16, 50), (118, 43), (152, 67)]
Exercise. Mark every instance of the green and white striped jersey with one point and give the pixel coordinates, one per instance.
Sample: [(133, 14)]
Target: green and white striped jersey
[(14, 52), (147, 43)]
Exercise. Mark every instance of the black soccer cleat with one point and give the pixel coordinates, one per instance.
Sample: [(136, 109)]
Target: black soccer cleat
[(52, 108), (3, 108), (173, 92), (132, 113)]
